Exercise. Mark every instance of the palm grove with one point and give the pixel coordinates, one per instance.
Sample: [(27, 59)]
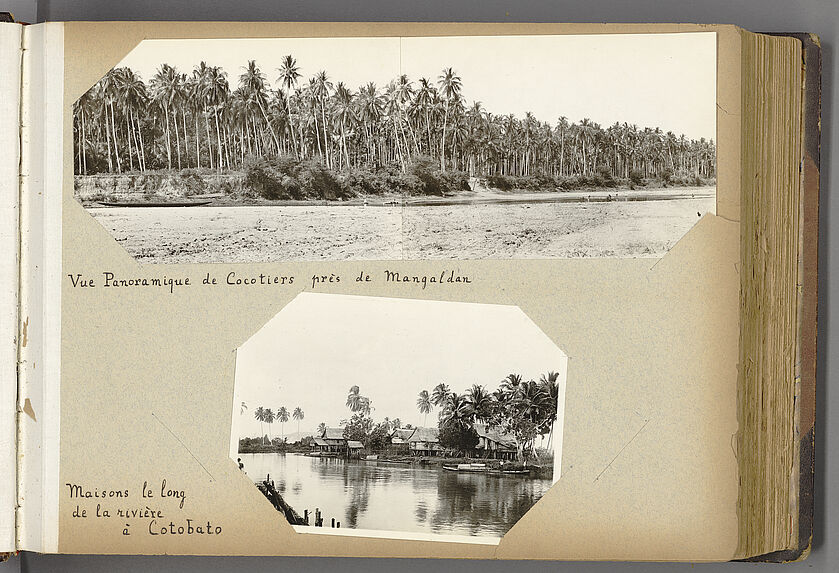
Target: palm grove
[(523, 409), (318, 132), (268, 416)]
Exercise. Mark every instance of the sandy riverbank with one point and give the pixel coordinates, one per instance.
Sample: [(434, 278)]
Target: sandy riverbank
[(482, 224)]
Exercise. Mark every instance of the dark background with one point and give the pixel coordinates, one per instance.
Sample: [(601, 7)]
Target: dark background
[(818, 16)]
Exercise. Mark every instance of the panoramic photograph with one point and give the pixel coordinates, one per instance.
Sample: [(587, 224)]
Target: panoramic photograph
[(255, 150), (430, 420)]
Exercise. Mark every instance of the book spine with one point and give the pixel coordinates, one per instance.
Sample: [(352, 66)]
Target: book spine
[(39, 355), (11, 38)]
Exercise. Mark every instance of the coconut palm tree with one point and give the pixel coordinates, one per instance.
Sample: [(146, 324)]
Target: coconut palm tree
[(358, 403), (393, 114), (404, 94), (199, 87), (216, 92), (321, 428), (370, 113), (181, 102), (280, 115), (298, 415), (269, 419), (321, 92), (425, 96), (282, 416), (164, 88), (549, 387), (457, 409), (481, 401), (110, 91), (354, 399), (195, 103), (82, 110), (131, 92), (528, 414), (344, 111), (98, 116), (297, 110), (424, 405), (511, 385), (450, 86), (252, 84), (311, 99), (439, 394), (259, 414), (289, 74)]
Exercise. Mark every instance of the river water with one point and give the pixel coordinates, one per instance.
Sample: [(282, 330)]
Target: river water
[(398, 497)]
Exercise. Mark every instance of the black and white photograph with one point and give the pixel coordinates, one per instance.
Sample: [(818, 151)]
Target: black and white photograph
[(399, 418), (401, 148)]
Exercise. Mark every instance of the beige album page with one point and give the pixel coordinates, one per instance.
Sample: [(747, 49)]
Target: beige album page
[(415, 290)]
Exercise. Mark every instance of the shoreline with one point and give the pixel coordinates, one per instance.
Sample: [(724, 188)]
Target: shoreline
[(480, 196), (493, 466)]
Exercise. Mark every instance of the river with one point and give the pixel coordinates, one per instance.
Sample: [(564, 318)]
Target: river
[(398, 497)]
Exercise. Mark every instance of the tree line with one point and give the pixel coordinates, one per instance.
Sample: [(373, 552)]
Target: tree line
[(205, 119), (522, 409), (268, 416)]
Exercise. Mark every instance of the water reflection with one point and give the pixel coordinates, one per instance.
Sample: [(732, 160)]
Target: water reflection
[(398, 497)]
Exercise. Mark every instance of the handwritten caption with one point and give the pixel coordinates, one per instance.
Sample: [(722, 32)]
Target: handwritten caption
[(152, 509), (169, 283)]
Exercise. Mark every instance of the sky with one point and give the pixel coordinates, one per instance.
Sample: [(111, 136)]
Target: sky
[(319, 345), (651, 80)]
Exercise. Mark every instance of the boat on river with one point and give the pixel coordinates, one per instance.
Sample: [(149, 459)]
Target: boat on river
[(388, 461), (466, 468), (509, 472)]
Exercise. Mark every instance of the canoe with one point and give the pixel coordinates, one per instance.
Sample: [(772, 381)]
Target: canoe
[(466, 468), (509, 472), (154, 203)]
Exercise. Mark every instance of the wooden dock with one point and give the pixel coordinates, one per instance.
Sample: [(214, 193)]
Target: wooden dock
[(268, 489)]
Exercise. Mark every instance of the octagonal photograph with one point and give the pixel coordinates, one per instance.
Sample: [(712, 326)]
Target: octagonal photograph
[(381, 148), (399, 418)]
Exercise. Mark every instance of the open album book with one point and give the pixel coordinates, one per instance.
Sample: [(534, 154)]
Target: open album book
[(414, 290)]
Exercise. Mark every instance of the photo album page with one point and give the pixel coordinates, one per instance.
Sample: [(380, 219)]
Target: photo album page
[(387, 290)]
